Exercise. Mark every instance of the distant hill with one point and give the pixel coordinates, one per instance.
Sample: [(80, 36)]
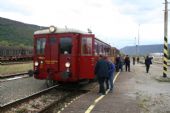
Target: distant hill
[(143, 49), (14, 33)]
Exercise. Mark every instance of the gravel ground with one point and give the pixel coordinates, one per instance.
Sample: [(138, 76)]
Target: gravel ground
[(152, 96), (16, 89), (54, 96), (35, 105)]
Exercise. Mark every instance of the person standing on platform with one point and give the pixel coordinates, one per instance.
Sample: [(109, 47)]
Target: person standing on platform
[(111, 74), (117, 63), (137, 59), (121, 63), (127, 63), (148, 62), (133, 60), (102, 72), (107, 78)]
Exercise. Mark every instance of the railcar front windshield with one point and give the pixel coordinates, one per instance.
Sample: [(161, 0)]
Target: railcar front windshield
[(40, 46), (65, 45)]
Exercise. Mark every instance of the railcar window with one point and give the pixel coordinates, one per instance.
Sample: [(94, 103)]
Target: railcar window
[(86, 46), (65, 45), (95, 48), (101, 49), (40, 46)]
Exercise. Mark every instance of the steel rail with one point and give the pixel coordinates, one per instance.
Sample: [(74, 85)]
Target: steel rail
[(16, 62), (28, 97), (12, 75)]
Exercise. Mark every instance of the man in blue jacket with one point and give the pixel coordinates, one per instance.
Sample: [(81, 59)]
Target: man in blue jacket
[(102, 72), (111, 74)]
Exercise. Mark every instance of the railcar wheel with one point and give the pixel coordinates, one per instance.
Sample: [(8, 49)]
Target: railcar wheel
[(49, 82), (30, 73)]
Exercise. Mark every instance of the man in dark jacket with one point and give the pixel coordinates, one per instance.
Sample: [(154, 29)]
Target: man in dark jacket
[(117, 63), (102, 72), (148, 62), (127, 63)]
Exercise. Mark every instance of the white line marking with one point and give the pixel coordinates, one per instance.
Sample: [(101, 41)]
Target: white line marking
[(99, 98)]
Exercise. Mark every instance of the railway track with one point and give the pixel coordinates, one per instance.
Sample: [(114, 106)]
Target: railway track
[(13, 103), (12, 63), (74, 92), (46, 100), (5, 78), (63, 102)]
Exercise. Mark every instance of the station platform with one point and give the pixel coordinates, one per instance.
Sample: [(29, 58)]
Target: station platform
[(121, 100)]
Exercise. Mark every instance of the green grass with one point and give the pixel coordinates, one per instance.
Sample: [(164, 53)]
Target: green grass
[(15, 68)]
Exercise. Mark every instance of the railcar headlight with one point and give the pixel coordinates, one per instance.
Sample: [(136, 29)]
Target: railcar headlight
[(52, 29), (36, 63), (41, 62), (67, 64)]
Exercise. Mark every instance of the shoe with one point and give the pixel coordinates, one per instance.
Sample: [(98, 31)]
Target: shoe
[(110, 91), (103, 93)]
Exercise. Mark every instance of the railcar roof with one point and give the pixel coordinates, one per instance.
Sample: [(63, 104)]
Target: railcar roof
[(60, 30)]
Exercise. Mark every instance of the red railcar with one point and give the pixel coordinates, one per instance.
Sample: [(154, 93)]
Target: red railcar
[(66, 55)]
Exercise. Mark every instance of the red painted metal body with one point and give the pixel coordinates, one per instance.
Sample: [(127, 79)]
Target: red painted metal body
[(51, 63)]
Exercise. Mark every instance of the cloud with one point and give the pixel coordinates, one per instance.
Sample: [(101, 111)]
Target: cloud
[(9, 6), (113, 21), (142, 11)]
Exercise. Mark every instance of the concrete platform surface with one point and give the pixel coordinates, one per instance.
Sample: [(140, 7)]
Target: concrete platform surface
[(134, 92), (116, 102)]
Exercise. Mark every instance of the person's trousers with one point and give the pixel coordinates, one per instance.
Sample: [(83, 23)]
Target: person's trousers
[(101, 85), (117, 68), (127, 67), (147, 68), (107, 82), (111, 81)]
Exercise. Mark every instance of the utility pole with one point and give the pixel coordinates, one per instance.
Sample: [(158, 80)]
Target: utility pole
[(165, 59), (138, 40), (135, 47)]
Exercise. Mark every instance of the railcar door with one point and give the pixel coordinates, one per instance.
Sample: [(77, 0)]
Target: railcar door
[(39, 56), (46, 56), (87, 62), (65, 56), (52, 55)]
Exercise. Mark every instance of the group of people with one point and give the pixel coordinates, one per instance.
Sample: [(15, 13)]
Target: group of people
[(122, 61), (134, 60), (105, 68)]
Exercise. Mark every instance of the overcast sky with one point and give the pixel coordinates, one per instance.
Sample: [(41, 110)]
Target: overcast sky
[(116, 22)]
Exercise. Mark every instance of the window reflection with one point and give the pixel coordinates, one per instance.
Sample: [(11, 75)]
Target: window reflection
[(40, 46), (86, 46), (65, 45)]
